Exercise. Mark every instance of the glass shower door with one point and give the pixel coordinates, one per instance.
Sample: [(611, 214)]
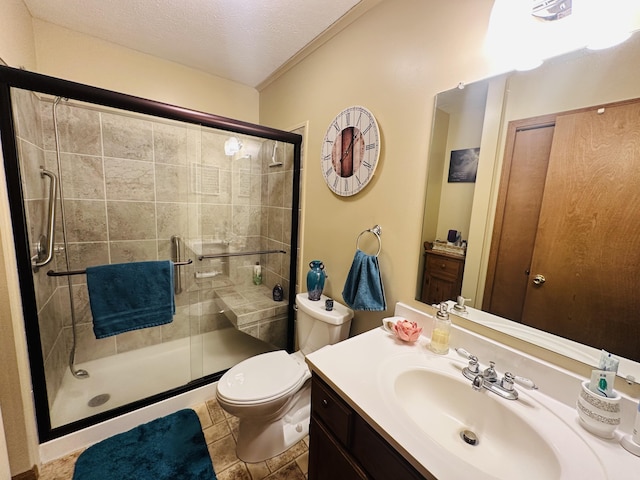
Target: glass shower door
[(130, 180), (122, 195)]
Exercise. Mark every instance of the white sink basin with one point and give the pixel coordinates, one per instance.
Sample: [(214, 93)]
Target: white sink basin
[(513, 439)]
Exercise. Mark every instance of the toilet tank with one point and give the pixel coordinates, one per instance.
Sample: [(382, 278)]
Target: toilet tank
[(317, 327)]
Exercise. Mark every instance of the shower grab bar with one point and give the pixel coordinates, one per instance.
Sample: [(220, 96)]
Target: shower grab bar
[(37, 260), (176, 256), (52, 273), (238, 254)]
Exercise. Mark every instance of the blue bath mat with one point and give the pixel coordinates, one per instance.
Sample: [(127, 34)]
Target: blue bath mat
[(168, 448)]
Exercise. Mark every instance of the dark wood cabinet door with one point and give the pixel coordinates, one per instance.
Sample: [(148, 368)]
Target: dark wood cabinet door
[(327, 459)]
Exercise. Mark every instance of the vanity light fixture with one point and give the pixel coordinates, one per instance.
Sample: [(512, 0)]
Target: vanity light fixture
[(232, 146), (522, 35)]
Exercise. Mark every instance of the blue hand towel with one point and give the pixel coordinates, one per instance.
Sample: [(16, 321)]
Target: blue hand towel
[(129, 296), (363, 289)]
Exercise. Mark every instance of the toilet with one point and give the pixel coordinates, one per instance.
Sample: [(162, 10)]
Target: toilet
[(270, 393)]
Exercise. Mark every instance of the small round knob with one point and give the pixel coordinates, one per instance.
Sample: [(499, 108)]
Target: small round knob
[(325, 403), (539, 279)]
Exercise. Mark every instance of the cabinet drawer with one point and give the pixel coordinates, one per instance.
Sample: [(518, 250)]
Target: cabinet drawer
[(440, 266), (331, 410)]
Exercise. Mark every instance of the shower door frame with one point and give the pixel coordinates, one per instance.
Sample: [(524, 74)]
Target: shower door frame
[(15, 78)]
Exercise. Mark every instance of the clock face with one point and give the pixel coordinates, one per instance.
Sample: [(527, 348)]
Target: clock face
[(350, 151)]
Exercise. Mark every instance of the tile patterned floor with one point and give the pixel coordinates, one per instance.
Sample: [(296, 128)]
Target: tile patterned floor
[(220, 431)]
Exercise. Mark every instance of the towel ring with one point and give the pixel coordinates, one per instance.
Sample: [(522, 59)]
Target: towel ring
[(377, 231)]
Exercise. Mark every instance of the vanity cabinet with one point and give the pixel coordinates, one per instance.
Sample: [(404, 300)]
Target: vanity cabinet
[(344, 446), (442, 278)]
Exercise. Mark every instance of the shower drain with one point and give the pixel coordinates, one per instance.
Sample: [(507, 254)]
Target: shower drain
[(99, 400)]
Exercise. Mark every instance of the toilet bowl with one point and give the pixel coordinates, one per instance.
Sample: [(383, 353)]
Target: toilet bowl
[(270, 393)]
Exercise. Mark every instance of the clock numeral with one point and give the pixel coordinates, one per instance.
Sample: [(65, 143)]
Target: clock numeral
[(346, 185), (371, 146), (348, 117), (358, 179), (359, 119), (336, 126), (327, 158), (364, 132), (335, 182), (367, 164), (329, 170)]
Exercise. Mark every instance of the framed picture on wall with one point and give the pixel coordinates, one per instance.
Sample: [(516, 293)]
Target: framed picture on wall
[(463, 165)]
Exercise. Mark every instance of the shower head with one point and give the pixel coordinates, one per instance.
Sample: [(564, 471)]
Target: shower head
[(232, 146)]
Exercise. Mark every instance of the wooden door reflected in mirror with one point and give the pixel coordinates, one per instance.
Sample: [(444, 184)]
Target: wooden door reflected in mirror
[(586, 240)]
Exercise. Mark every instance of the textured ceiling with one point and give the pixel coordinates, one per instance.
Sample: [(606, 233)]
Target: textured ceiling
[(241, 40)]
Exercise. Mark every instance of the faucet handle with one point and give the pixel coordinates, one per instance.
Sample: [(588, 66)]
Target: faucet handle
[(473, 360), (507, 381), (525, 382), (474, 366), (490, 372), (463, 353)]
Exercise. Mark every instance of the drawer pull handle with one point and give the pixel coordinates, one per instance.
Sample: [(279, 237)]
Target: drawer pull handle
[(444, 265), (325, 403)]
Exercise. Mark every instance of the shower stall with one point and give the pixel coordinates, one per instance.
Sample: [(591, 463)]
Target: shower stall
[(96, 177)]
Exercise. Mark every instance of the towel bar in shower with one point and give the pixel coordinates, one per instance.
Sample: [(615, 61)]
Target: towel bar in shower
[(51, 273), (239, 254)]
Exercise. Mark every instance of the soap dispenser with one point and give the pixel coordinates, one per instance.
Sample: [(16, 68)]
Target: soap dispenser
[(441, 331), (460, 307)]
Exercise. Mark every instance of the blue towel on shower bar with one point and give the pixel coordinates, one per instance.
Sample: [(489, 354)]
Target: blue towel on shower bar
[(363, 289), (129, 296)]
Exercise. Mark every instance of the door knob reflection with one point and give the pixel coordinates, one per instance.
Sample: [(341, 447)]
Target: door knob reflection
[(539, 279)]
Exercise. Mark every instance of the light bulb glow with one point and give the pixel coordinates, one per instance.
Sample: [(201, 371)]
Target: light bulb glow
[(517, 39)]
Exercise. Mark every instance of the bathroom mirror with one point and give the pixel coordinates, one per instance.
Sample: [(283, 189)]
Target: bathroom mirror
[(478, 116)]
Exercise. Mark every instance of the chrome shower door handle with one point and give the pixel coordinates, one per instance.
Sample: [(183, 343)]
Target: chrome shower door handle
[(176, 256), (44, 255)]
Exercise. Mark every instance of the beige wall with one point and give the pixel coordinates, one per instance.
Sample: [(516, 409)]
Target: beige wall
[(393, 60), (17, 49), (73, 56), (465, 131)]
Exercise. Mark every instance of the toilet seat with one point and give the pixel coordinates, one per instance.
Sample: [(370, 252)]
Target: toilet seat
[(262, 378)]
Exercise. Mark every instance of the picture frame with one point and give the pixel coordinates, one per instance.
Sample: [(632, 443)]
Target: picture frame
[(463, 165)]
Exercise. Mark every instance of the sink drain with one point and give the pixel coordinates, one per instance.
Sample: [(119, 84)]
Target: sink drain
[(99, 400), (469, 437)]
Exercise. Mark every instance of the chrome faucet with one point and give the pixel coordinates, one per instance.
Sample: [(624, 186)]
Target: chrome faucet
[(488, 379)]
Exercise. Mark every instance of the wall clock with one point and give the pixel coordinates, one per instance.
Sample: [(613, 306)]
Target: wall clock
[(350, 151)]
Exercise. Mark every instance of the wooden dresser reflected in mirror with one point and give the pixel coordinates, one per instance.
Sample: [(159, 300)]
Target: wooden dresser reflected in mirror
[(442, 276)]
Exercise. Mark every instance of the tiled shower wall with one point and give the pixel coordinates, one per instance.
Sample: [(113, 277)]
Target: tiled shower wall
[(130, 183)]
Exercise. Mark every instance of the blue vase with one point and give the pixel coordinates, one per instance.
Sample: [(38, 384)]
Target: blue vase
[(315, 279)]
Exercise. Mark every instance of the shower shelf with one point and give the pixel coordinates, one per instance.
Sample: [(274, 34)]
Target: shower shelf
[(52, 273), (239, 254)]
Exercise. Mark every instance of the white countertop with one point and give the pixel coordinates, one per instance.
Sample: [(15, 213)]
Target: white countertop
[(353, 368)]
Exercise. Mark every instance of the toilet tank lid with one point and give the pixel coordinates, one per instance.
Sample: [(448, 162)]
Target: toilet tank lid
[(339, 315)]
